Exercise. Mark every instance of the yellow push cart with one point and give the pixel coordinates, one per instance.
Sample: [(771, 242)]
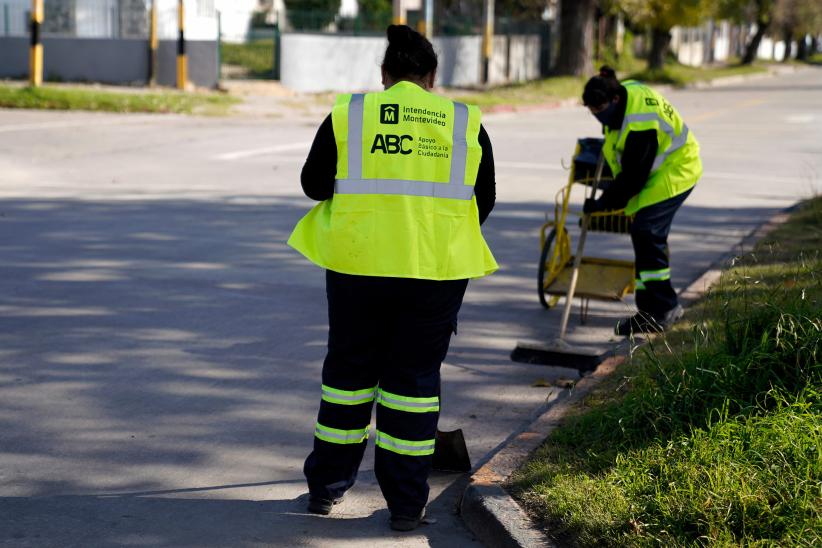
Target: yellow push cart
[(560, 274)]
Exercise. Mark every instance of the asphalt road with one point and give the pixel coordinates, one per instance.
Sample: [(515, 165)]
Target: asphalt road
[(161, 346)]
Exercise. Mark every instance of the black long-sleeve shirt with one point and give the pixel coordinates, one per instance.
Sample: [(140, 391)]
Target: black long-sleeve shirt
[(637, 160), (320, 169)]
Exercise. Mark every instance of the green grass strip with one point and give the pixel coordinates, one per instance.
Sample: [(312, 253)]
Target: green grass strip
[(60, 98), (711, 435), (256, 57)]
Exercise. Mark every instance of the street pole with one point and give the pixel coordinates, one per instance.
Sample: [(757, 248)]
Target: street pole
[(399, 14), (425, 25), (182, 61), (36, 50), (153, 45), (487, 39), (429, 19)]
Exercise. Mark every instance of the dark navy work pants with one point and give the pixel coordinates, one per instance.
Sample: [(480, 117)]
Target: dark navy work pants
[(649, 233), (387, 339)]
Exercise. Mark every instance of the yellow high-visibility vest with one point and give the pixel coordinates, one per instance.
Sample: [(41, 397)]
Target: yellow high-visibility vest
[(677, 166), (403, 203)]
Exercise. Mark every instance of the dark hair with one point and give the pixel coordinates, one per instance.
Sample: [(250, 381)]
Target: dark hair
[(409, 53), (601, 88)]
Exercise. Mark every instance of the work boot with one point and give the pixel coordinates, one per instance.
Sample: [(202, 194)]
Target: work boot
[(406, 523), (643, 322), (320, 505)]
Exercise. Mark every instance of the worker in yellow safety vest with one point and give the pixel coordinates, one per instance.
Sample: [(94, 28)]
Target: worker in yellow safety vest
[(655, 160), (404, 178)]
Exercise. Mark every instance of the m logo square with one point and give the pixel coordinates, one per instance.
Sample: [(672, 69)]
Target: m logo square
[(390, 114)]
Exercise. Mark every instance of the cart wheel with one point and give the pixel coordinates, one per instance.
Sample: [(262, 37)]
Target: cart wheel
[(551, 264)]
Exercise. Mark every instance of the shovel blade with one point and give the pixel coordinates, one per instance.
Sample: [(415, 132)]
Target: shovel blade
[(451, 453)]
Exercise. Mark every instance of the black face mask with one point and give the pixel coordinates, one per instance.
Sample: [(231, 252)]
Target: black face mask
[(605, 116)]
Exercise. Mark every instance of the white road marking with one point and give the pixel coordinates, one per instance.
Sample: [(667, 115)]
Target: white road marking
[(800, 119), (240, 154)]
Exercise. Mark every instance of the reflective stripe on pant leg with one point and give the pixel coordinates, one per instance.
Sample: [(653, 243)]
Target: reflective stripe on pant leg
[(343, 437), (655, 275), (638, 285), (408, 404), (348, 397), (405, 447)]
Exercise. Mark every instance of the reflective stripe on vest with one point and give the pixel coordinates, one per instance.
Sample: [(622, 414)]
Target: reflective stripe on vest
[(677, 141), (404, 447), (343, 437), (355, 184), (408, 404)]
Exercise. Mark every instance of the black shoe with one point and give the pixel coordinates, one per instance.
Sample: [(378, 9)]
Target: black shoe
[(643, 322), (406, 523), (319, 505)]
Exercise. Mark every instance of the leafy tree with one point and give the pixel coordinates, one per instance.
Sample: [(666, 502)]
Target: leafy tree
[(311, 14), (376, 14), (660, 16), (796, 19), (520, 9), (749, 11)]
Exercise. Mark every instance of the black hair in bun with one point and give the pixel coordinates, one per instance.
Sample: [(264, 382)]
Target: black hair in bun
[(601, 88), (409, 53)]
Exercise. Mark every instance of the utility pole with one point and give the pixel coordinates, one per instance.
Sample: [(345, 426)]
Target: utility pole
[(153, 45), (425, 26), (182, 61), (487, 38), (36, 50), (399, 13)]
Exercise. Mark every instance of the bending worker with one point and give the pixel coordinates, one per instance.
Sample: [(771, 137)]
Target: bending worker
[(655, 162), (404, 178)]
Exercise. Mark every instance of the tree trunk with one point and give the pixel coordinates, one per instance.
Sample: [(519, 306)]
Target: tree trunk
[(814, 45), (753, 46), (802, 49), (787, 36), (576, 37), (660, 40)]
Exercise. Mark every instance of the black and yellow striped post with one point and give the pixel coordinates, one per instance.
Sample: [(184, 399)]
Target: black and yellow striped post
[(425, 24), (36, 50), (153, 45), (398, 12), (487, 39), (182, 60)]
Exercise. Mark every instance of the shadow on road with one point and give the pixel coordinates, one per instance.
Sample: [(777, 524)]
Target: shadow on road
[(146, 345)]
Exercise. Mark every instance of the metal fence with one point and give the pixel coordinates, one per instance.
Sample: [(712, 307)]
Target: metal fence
[(109, 19), (14, 18), (371, 24)]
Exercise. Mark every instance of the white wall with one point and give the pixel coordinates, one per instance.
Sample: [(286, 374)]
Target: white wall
[(201, 19), (514, 58), (235, 18), (327, 62)]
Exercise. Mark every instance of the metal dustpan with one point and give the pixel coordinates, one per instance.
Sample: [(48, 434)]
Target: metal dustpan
[(450, 452)]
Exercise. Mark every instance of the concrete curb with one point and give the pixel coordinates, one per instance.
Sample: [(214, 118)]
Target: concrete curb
[(487, 509)]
